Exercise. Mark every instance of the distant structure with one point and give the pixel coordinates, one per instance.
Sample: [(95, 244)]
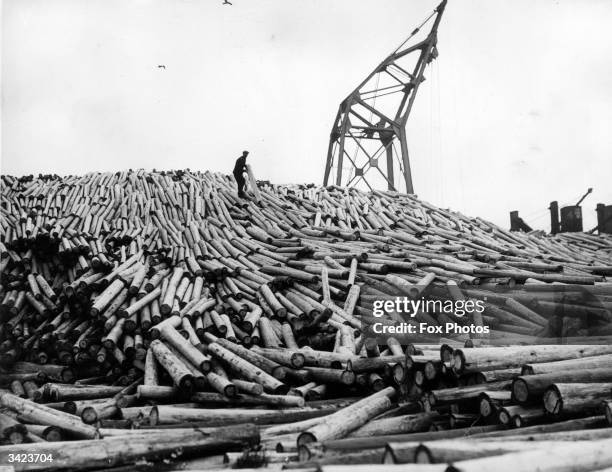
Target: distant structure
[(571, 216), (604, 219), (570, 220), (371, 121), (517, 223)]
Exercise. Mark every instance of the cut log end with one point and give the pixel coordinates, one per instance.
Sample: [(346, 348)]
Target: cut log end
[(154, 416), (526, 370), (458, 361), (520, 390), (422, 455), (306, 438), (279, 373), (298, 360), (486, 408), (389, 456), (187, 384), (503, 417), (399, 373), (430, 371), (53, 434), (70, 407), (230, 391), (15, 436), (89, 415), (608, 412), (553, 401), (348, 377)]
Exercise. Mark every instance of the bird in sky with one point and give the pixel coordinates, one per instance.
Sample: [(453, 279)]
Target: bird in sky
[(161, 66), (225, 2)]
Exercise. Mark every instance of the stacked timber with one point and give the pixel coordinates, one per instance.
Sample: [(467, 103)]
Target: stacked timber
[(157, 316)]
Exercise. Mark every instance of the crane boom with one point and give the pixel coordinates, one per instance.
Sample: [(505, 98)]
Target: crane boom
[(371, 120)]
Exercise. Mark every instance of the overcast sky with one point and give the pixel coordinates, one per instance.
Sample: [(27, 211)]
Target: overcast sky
[(516, 111)]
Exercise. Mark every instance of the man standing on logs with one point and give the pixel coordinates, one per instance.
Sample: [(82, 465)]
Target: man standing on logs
[(239, 170)]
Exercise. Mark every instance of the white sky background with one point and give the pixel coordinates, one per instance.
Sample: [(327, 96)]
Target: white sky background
[(516, 111)]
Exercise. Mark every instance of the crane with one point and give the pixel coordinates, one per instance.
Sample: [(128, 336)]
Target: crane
[(371, 120)]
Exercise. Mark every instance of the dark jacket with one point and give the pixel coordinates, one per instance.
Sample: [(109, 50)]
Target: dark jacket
[(240, 166)]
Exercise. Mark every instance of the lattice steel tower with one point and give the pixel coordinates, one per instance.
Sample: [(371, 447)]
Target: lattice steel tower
[(371, 121)]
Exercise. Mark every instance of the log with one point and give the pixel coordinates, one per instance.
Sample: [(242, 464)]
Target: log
[(350, 418), (518, 416), (572, 398), (117, 451), (180, 373), (473, 360), (580, 456), (191, 353), (456, 451), (208, 417), (12, 431), (531, 387), (40, 414), (594, 362), (381, 441), (404, 424), (247, 370)]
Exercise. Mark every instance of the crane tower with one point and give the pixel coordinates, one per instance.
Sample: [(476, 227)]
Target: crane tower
[(370, 126)]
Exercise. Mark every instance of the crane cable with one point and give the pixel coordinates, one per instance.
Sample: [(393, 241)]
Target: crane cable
[(416, 30), (412, 34)]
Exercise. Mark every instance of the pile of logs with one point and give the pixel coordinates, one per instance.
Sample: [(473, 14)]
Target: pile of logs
[(154, 318)]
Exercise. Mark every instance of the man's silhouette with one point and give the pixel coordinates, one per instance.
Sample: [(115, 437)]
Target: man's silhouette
[(239, 169)]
